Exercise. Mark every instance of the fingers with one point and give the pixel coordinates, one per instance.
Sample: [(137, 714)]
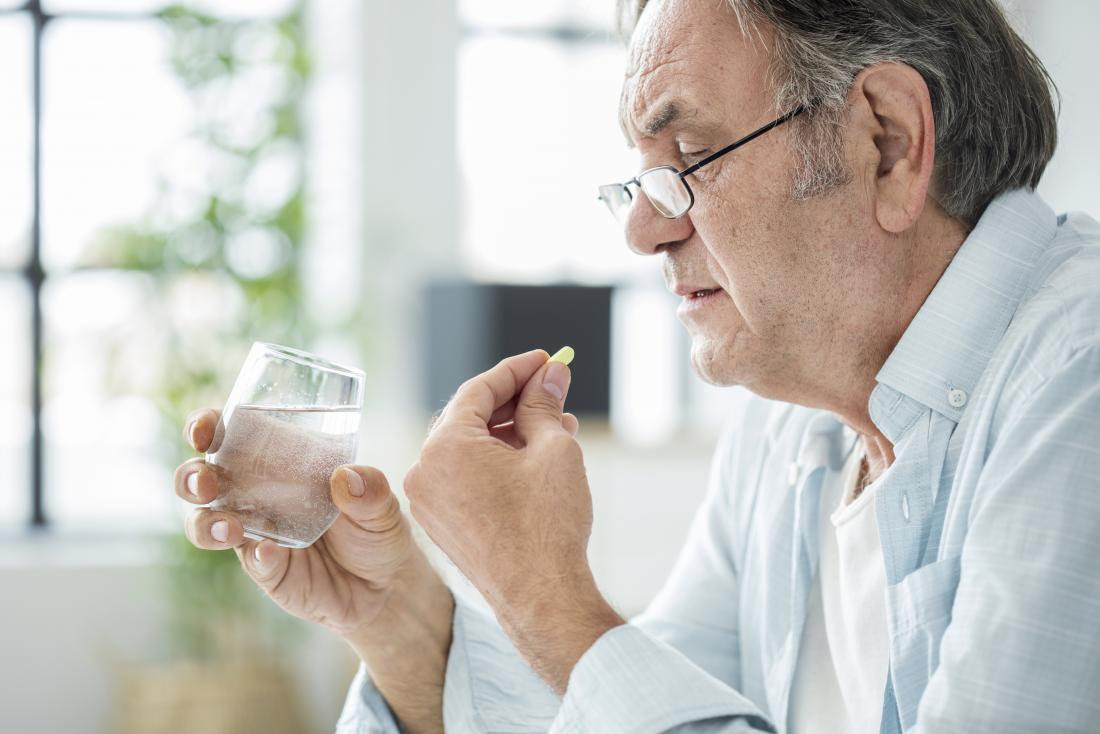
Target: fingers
[(213, 530), (200, 427), (503, 414), (264, 561), (539, 406), (196, 482), (479, 397), (506, 432), (363, 494)]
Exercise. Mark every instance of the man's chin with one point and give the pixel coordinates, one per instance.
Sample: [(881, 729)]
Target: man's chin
[(711, 363)]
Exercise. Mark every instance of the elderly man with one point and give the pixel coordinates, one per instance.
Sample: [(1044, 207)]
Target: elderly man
[(898, 537)]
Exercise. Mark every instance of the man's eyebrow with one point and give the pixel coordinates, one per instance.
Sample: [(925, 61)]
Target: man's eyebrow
[(665, 116)]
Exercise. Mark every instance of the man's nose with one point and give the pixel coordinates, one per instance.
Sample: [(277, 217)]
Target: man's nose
[(647, 231)]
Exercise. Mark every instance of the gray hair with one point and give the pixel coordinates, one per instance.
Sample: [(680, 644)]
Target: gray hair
[(992, 101)]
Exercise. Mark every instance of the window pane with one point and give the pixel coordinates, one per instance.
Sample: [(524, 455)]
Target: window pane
[(222, 8), (111, 107), (103, 441), (538, 133), (15, 418), (15, 139), (512, 14)]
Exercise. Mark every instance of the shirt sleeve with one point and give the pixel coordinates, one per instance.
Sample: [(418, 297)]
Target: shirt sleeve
[(676, 667), (365, 711), (1022, 650), (695, 610), (488, 686)]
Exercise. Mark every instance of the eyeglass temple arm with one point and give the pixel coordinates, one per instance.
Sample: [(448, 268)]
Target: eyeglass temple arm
[(738, 143)]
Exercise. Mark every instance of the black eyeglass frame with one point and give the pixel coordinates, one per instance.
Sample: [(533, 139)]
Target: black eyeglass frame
[(625, 186)]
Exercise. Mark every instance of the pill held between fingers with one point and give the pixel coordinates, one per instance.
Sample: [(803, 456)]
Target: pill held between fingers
[(564, 355)]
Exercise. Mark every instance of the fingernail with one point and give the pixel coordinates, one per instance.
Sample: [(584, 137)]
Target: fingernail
[(193, 483), (555, 380), (354, 482), (220, 531), (256, 555), (191, 431)]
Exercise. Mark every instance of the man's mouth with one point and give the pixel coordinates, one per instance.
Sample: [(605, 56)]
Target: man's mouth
[(696, 299), (693, 291)]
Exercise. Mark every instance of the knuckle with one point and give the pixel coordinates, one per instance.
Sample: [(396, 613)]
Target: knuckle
[(432, 451), (390, 520), (563, 443), (543, 402), (411, 484), (436, 418)]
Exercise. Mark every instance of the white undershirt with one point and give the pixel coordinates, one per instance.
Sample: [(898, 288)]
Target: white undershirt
[(842, 663)]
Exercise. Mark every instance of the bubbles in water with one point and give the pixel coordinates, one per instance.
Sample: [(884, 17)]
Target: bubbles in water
[(274, 466)]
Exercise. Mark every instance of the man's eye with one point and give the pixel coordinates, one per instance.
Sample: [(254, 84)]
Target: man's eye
[(690, 156)]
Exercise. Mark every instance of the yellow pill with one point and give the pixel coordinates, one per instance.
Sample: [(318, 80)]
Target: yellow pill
[(563, 355)]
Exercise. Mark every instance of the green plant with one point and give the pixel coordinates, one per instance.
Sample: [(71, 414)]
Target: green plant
[(237, 238)]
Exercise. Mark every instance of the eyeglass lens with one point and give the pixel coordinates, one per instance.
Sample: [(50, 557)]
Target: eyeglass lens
[(664, 188), (666, 191)]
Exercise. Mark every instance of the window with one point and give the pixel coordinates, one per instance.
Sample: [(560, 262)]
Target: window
[(16, 188), (94, 119), (15, 139), (15, 419), (538, 92)]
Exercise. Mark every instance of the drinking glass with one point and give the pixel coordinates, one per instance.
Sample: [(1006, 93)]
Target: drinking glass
[(290, 420)]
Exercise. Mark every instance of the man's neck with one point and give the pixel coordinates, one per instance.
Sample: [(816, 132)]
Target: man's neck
[(921, 258)]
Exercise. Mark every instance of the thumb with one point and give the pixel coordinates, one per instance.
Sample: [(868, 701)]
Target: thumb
[(539, 406), (363, 494)]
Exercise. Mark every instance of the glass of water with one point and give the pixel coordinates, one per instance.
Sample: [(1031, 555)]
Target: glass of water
[(291, 419)]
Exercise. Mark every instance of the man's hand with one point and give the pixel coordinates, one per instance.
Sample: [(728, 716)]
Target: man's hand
[(365, 578), (501, 488)]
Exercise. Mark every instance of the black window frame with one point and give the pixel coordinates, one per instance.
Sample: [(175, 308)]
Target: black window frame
[(32, 272)]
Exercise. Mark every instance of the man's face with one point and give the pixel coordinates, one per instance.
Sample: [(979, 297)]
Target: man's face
[(769, 267)]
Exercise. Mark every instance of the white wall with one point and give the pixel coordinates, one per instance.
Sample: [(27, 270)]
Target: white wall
[(1064, 35)]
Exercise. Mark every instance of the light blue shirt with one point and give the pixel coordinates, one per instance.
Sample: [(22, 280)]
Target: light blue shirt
[(989, 521)]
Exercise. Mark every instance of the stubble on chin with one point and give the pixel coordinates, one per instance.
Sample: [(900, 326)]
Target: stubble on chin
[(712, 361)]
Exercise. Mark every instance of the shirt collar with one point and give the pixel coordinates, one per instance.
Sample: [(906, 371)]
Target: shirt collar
[(950, 341)]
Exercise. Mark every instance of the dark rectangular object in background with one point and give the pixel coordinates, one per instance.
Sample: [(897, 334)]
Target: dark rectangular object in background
[(471, 326)]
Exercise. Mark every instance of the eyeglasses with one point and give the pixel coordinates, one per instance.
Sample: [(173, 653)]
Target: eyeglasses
[(666, 188)]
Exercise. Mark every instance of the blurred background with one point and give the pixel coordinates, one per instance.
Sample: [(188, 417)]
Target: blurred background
[(406, 187)]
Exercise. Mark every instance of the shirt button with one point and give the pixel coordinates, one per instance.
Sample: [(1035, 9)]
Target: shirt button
[(956, 398), (905, 505), (792, 473)]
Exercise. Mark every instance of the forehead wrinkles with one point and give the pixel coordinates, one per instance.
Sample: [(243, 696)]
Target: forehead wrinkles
[(641, 90), (703, 49), (658, 47)]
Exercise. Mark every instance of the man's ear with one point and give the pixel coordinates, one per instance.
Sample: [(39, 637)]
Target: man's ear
[(894, 102)]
